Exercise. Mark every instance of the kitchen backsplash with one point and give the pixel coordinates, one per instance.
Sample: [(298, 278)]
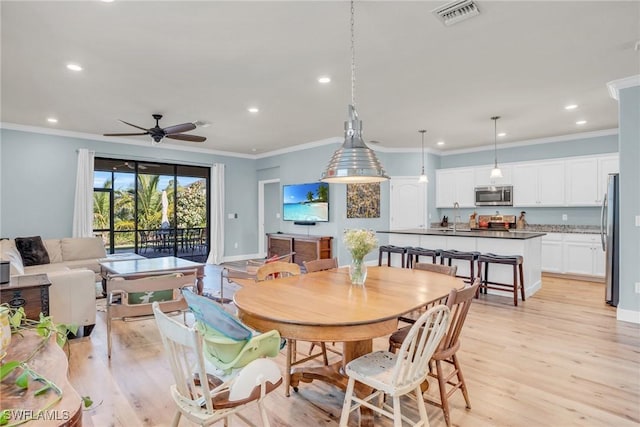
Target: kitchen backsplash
[(587, 216)]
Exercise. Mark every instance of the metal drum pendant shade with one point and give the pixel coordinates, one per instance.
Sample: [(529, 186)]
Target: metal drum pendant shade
[(354, 162)]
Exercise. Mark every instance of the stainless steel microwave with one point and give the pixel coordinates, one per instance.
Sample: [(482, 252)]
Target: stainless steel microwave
[(494, 195)]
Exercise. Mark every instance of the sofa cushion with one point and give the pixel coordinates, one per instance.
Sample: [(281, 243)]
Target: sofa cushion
[(53, 249), (45, 268), (32, 250), (11, 254), (82, 248)]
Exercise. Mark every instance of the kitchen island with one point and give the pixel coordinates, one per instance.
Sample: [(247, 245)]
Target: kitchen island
[(503, 242)]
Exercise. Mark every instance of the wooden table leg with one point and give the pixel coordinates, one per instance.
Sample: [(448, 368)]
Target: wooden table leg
[(199, 282), (335, 374)]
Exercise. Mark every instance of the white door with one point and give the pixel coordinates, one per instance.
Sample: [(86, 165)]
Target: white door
[(408, 203), (269, 203)]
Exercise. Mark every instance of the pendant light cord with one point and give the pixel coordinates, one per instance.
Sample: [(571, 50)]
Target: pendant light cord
[(353, 56), (495, 140), (422, 131)]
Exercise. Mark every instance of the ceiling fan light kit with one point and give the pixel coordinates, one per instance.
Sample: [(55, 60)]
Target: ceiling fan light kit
[(158, 134), (354, 162)]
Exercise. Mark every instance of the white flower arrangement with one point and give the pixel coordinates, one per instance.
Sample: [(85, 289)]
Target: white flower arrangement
[(360, 242)]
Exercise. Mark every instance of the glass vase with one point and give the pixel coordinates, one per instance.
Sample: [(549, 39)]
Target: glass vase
[(357, 271)]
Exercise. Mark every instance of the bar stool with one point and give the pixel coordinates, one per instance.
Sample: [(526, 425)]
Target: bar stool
[(514, 260), (472, 257), (389, 249), (413, 255)]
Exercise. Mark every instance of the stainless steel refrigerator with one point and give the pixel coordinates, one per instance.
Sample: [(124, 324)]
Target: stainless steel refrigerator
[(610, 236)]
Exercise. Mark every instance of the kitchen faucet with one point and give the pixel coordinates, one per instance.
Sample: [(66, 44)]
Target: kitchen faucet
[(456, 215)]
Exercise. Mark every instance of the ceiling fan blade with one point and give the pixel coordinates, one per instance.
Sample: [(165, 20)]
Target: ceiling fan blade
[(135, 126), (184, 137), (125, 134), (184, 127)]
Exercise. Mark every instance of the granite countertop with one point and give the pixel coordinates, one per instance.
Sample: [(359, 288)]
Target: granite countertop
[(536, 228), (462, 232)]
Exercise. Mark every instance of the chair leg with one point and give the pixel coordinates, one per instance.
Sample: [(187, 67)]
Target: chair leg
[(397, 414), (346, 405), (515, 286), (442, 384), (176, 419), (108, 335), (324, 353), (421, 408), (463, 385), (521, 280), (287, 374), (263, 414)]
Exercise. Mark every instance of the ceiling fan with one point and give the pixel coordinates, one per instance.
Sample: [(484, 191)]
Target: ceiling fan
[(132, 166), (158, 133)]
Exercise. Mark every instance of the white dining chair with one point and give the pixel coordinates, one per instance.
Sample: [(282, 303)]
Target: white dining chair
[(397, 374)]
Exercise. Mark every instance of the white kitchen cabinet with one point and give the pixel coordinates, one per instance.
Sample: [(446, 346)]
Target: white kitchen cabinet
[(586, 179), (538, 184), (552, 253), (583, 254), (455, 185), (606, 165), (482, 176)]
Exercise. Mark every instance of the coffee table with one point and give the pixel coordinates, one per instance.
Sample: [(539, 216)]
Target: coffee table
[(150, 265)]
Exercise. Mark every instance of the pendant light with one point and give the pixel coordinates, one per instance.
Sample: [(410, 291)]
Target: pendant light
[(423, 176), (495, 172), (354, 162)]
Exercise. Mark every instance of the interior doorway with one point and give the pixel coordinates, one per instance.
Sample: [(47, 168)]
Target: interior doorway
[(269, 206), (407, 203)]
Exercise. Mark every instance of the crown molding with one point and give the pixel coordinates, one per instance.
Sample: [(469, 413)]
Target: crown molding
[(537, 141), (117, 140), (308, 145), (615, 86)]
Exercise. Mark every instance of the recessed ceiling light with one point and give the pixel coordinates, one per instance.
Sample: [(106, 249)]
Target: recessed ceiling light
[(581, 122), (202, 123), (253, 109), (254, 149), (106, 1), (502, 134), (571, 107), (324, 79), (52, 120), (440, 143), (74, 67)]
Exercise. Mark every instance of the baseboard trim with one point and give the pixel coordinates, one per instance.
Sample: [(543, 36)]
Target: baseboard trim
[(628, 315), (572, 276)]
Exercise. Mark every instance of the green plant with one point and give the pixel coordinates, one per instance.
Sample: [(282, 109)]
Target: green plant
[(45, 328)]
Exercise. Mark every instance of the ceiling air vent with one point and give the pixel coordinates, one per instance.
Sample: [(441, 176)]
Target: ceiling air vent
[(456, 11)]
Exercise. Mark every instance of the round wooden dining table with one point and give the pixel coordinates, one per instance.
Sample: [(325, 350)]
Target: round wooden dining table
[(325, 306)]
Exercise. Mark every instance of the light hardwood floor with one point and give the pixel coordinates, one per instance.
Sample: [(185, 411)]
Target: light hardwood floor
[(558, 359)]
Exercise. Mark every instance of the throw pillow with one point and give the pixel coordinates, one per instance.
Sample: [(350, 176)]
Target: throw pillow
[(149, 297), (32, 250)]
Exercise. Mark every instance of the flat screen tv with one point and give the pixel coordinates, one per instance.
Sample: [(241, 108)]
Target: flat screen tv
[(306, 202)]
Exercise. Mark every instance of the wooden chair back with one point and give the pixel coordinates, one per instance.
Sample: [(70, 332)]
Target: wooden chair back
[(412, 361), (459, 303), (282, 269), (320, 264), (437, 268)]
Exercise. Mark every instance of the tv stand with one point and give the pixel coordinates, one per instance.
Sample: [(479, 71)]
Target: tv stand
[(306, 248)]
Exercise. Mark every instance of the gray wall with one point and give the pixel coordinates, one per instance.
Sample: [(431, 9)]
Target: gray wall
[(629, 118), (37, 184), (555, 150)]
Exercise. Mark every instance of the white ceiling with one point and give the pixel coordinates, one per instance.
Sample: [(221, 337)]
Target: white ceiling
[(209, 61)]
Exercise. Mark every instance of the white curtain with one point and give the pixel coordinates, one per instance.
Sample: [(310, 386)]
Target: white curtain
[(83, 206), (216, 223)]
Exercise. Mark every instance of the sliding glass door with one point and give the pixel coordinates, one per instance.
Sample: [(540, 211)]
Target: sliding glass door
[(153, 209)]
